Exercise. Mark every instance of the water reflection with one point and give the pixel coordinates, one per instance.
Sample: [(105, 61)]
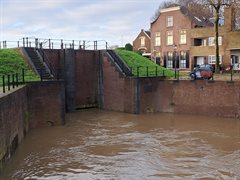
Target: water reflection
[(109, 145)]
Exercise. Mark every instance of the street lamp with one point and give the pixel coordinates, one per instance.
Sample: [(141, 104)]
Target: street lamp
[(175, 59)]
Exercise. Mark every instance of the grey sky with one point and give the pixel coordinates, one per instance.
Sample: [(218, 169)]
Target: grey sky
[(117, 22)]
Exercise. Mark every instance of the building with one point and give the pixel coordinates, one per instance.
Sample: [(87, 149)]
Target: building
[(171, 37), (142, 43), (203, 44)]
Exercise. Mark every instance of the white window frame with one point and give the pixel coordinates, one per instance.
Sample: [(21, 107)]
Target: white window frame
[(170, 60), (142, 41), (212, 59), (157, 39), (183, 36), (169, 21), (169, 38), (183, 61), (211, 41)]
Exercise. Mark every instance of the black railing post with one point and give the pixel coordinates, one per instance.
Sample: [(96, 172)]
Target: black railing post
[(8, 84), (106, 46), (17, 79), (27, 41), (156, 71), (137, 71), (3, 81), (13, 81), (17, 43), (61, 44), (41, 74), (231, 75), (178, 76), (49, 41), (73, 44), (147, 71), (23, 42), (23, 75)]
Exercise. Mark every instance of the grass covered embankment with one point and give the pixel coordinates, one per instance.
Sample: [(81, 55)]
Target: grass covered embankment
[(12, 62), (134, 61)]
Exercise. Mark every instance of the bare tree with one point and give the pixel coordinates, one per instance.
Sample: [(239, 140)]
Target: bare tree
[(163, 5)]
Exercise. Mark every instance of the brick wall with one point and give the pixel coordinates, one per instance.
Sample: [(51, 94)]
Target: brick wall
[(13, 122), (32, 106), (217, 98), (86, 78), (46, 103), (118, 92)]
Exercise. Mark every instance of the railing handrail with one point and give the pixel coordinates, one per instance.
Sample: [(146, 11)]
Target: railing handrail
[(55, 43)]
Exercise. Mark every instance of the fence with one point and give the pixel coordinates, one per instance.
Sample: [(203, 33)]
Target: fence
[(55, 44), (13, 80)]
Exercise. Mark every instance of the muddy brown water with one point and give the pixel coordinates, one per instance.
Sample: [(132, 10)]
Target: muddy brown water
[(98, 144)]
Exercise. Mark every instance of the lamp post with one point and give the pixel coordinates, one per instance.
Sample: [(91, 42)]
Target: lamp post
[(175, 59)]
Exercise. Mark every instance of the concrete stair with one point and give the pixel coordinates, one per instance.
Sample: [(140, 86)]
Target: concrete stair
[(38, 64)]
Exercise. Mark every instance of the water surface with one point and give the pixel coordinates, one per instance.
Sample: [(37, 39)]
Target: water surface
[(98, 144)]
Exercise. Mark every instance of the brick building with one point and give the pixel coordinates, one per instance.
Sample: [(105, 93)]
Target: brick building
[(171, 37), (142, 43), (203, 46)]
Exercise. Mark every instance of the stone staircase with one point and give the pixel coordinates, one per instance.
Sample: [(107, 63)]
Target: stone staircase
[(119, 63), (39, 66)]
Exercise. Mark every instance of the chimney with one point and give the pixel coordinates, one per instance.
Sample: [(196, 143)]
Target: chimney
[(229, 18)]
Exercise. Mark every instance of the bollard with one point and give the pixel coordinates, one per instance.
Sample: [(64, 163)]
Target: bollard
[(147, 71), (137, 71), (231, 75), (156, 71)]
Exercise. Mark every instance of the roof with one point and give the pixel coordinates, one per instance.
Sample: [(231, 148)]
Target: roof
[(200, 21), (148, 33)]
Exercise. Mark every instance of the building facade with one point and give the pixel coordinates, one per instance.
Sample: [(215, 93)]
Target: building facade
[(170, 38), (202, 50), (142, 43)]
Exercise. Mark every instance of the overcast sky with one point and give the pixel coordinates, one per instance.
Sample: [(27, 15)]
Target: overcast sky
[(116, 21)]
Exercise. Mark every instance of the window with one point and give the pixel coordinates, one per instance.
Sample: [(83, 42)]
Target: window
[(169, 38), (170, 59), (158, 39), (169, 21), (211, 41), (142, 41), (183, 60), (183, 37), (212, 59)]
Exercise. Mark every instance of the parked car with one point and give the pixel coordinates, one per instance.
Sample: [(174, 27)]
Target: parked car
[(202, 72)]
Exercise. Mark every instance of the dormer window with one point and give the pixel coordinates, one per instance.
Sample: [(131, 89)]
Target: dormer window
[(169, 21), (142, 41)]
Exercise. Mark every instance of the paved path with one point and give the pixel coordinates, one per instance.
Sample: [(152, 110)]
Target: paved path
[(8, 92)]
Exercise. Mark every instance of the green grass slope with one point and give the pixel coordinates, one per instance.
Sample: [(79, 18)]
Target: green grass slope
[(134, 60), (12, 62)]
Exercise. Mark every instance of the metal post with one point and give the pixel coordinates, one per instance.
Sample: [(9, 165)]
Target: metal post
[(49, 43), (83, 45), (41, 74), (178, 76), (17, 79), (30, 43), (137, 71), (17, 43), (147, 71), (3, 80), (23, 75), (23, 42), (36, 42), (73, 44), (27, 41), (61, 44), (231, 74), (13, 81), (156, 71), (106, 46), (8, 78)]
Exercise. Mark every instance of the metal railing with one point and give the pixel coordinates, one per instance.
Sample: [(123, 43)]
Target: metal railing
[(13, 80), (55, 44)]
